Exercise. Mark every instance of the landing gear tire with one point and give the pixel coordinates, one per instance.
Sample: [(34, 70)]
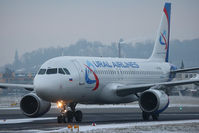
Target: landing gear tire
[(78, 116), (70, 116), (59, 120), (155, 117), (145, 116)]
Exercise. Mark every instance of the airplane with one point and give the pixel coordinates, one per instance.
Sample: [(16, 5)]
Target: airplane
[(69, 80)]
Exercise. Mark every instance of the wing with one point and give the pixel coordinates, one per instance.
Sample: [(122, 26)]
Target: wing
[(25, 86), (133, 89)]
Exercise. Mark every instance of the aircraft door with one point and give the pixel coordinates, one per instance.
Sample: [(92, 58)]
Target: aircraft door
[(80, 72)]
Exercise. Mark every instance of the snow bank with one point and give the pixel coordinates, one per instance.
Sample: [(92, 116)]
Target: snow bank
[(146, 127), (26, 120)]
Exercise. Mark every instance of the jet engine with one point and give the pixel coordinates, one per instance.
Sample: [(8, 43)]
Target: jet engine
[(33, 106), (153, 101)]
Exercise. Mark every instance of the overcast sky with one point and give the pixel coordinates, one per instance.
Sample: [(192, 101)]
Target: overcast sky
[(27, 25)]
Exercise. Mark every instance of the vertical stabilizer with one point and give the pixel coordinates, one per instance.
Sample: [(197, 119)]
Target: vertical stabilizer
[(161, 47)]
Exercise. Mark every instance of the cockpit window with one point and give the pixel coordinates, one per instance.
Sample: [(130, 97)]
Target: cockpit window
[(61, 71), (52, 71), (66, 71), (42, 71)]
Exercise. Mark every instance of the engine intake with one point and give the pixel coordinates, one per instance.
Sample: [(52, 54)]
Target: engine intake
[(33, 106), (153, 101)]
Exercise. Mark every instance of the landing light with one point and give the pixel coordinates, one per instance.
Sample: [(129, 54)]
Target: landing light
[(60, 104)]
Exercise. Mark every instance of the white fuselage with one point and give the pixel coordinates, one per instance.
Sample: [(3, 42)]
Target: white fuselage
[(93, 79)]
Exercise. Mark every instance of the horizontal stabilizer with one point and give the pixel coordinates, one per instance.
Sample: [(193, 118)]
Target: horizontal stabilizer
[(185, 70)]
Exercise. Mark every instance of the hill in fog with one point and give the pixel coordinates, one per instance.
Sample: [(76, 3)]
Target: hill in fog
[(179, 50)]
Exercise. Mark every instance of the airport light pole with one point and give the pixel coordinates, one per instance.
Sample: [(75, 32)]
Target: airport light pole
[(119, 47)]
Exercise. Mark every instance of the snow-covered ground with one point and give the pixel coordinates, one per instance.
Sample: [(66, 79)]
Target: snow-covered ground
[(183, 126), (24, 120), (189, 126)]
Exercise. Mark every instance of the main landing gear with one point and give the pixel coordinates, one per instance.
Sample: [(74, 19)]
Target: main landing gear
[(146, 116), (68, 115)]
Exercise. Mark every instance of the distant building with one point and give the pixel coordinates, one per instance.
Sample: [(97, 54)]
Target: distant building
[(17, 78), (190, 89), (2, 80)]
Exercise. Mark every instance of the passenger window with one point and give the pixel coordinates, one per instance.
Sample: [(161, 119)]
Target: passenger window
[(66, 71), (61, 71), (52, 71), (42, 71)]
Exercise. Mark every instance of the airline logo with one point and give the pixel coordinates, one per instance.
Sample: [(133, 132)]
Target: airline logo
[(92, 78), (115, 64), (88, 71), (163, 40)]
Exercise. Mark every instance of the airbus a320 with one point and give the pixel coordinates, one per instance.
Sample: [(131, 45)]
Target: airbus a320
[(69, 80)]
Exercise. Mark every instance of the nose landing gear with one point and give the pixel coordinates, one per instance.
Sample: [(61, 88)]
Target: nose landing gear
[(69, 114)]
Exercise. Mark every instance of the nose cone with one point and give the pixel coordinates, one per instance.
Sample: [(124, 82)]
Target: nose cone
[(46, 88)]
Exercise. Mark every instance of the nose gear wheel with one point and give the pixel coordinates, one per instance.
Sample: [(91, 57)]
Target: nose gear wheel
[(69, 115)]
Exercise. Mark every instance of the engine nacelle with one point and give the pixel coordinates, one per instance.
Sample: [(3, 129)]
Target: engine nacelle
[(153, 101), (33, 106)]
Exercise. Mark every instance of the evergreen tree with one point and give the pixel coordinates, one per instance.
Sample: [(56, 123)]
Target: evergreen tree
[(182, 65)]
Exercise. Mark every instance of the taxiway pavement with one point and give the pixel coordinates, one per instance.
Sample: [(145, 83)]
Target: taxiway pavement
[(12, 120)]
